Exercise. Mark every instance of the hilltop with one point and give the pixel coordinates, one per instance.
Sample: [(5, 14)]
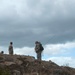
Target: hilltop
[(28, 65)]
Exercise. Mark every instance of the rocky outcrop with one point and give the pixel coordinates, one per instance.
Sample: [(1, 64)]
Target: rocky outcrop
[(28, 65)]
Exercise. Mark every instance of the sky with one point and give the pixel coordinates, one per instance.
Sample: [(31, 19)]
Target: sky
[(52, 22)]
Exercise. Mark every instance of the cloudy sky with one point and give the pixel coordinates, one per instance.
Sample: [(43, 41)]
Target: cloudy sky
[(52, 22)]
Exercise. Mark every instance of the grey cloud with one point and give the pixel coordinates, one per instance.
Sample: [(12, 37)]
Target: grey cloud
[(48, 21)]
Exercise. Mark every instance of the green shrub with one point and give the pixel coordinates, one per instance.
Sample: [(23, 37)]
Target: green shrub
[(4, 72)]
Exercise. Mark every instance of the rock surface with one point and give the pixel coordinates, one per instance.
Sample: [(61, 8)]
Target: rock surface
[(28, 65)]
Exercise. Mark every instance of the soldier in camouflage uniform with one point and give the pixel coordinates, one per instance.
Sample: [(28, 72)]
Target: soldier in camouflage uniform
[(11, 48), (38, 49)]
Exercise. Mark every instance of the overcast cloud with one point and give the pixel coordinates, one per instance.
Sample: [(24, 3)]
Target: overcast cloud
[(64, 61), (24, 21)]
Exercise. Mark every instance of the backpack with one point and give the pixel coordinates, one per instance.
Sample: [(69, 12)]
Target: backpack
[(41, 47)]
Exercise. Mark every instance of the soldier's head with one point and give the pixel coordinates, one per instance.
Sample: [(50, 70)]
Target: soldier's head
[(11, 43), (36, 42), (2, 52)]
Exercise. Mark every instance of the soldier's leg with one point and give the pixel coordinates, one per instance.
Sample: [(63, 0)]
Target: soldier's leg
[(12, 52), (39, 56)]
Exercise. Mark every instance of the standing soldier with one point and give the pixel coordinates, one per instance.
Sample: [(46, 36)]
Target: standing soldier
[(38, 49), (11, 48)]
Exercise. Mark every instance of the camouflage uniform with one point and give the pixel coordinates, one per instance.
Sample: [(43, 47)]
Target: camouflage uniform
[(38, 49), (11, 48)]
